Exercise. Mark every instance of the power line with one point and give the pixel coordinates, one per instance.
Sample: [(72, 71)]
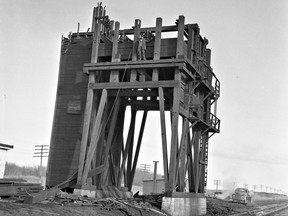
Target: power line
[(41, 151), (145, 168)]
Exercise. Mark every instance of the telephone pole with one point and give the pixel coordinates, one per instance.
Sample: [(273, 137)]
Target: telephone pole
[(145, 168), (217, 182), (41, 151), (154, 177)]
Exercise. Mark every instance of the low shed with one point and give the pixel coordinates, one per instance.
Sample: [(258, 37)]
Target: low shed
[(3, 153)]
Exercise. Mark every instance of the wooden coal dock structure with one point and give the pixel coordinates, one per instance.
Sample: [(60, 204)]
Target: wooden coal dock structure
[(124, 74)]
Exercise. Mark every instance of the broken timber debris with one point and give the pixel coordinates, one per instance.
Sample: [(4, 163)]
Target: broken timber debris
[(41, 196)]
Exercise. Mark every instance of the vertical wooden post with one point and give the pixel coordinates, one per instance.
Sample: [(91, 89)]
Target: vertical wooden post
[(130, 157), (78, 29), (175, 108), (157, 46), (89, 100), (95, 11), (111, 133), (190, 162), (182, 154), (114, 74), (180, 39), (96, 39), (130, 149), (129, 142), (86, 124), (142, 127), (116, 148), (174, 134), (197, 47), (102, 140), (164, 137), (196, 158), (190, 44), (208, 57), (112, 23), (137, 29), (95, 137)]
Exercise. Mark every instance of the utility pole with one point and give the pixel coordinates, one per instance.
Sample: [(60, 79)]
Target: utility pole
[(154, 177), (217, 182), (145, 168), (41, 151)]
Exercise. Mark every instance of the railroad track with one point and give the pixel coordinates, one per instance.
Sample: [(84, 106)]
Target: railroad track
[(283, 212), (267, 210)]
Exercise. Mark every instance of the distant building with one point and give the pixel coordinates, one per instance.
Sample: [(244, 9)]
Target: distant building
[(160, 186), (3, 153), (148, 186)]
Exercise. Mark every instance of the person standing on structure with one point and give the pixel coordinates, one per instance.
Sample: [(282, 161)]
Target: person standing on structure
[(141, 46)]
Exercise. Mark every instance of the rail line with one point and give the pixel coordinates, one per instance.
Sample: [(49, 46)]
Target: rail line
[(267, 210)]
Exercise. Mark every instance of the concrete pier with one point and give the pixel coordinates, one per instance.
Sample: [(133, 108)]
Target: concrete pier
[(184, 204)]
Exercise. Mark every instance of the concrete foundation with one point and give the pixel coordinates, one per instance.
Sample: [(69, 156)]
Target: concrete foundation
[(184, 206)]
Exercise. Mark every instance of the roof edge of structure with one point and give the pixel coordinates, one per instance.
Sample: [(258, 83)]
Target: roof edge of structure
[(6, 146)]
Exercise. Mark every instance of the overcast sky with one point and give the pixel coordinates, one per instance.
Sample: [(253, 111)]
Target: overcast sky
[(249, 56)]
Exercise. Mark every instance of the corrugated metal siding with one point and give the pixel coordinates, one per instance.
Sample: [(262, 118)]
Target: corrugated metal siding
[(69, 111)]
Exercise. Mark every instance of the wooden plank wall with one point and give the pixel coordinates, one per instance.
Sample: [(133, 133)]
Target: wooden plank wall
[(69, 111)]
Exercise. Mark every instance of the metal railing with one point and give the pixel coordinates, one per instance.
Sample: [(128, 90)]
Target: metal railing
[(211, 80), (214, 122)]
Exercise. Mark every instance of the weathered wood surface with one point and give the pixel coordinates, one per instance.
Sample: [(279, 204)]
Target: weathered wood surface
[(41, 196), (133, 64), (164, 137), (95, 136), (129, 85)]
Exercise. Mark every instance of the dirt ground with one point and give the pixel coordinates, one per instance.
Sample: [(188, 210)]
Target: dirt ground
[(109, 207), (67, 209)]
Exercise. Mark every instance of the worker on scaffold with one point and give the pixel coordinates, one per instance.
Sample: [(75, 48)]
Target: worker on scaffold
[(107, 26), (141, 46)]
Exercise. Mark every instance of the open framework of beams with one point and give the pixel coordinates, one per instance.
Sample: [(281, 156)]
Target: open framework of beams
[(181, 83)]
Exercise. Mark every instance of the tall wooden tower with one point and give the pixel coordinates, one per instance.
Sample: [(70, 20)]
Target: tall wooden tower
[(173, 76)]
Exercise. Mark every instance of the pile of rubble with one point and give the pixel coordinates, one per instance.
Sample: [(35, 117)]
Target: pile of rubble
[(107, 204), (50, 201)]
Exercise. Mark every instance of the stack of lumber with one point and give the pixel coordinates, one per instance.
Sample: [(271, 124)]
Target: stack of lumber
[(18, 187)]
